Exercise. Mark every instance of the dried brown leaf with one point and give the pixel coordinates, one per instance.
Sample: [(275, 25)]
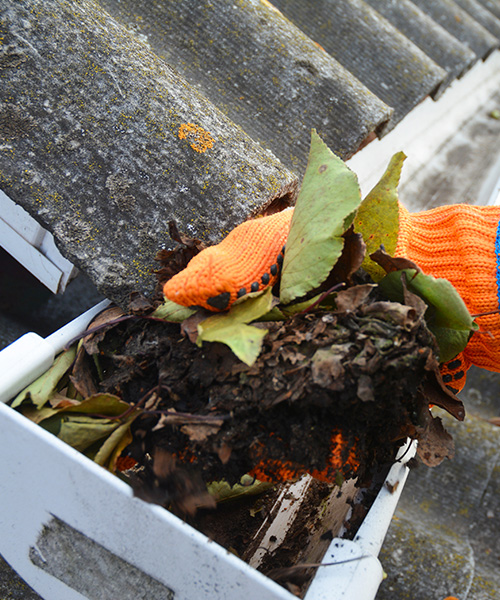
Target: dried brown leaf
[(224, 453), (350, 260), (435, 391), (400, 314), (139, 304), (390, 263), (190, 325), (352, 298), (434, 442), (91, 342), (200, 432), (327, 369), (81, 376)]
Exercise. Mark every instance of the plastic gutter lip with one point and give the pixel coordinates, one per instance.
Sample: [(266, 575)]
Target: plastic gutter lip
[(352, 568), (30, 356)]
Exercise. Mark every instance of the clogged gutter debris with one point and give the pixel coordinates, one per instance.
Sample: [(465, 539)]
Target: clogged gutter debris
[(328, 372)]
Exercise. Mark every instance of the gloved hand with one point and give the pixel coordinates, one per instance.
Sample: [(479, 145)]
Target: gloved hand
[(460, 243)]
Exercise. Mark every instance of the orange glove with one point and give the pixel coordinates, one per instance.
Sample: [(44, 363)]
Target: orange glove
[(458, 242), (247, 260), (461, 243)]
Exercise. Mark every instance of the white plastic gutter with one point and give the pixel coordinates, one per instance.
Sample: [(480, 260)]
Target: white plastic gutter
[(56, 506), (30, 356)]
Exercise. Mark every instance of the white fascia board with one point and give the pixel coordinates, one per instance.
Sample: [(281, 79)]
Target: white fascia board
[(33, 247)]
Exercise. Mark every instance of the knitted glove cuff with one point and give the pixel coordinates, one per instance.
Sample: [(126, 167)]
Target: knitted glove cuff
[(461, 243)]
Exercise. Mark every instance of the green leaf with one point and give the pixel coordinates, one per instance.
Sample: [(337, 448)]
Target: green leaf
[(44, 388), (281, 313), (170, 311), (326, 205), (81, 431), (446, 316), (377, 219), (231, 328)]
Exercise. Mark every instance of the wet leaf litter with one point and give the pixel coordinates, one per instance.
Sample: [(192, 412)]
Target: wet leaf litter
[(327, 373)]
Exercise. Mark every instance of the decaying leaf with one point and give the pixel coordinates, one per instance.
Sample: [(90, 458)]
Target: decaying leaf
[(389, 263), (81, 374), (222, 491), (434, 442), (352, 298), (114, 445)]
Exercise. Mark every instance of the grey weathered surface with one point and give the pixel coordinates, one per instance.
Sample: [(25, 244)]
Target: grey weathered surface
[(373, 50), (481, 14), (465, 169), (434, 40), (62, 551), (444, 538), (90, 131), (493, 6), (460, 24), (263, 72), (13, 587)]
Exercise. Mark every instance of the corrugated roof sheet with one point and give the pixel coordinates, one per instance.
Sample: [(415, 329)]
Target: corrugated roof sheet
[(385, 60), (107, 144), (118, 117), (481, 14), (460, 24), (444, 49), (492, 5), (263, 72)]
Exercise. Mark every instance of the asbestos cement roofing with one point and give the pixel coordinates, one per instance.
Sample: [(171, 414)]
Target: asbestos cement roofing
[(117, 117)]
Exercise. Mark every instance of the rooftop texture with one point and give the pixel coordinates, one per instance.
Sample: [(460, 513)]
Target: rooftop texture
[(117, 117)]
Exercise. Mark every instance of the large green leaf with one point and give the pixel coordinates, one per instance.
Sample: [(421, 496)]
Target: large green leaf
[(231, 328), (377, 219), (326, 205), (446, 316)]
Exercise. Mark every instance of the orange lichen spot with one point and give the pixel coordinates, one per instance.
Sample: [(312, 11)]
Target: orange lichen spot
[(450, 598), (201, 139)]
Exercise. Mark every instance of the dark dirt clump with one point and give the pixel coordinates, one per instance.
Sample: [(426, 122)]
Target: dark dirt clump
[(333, 394)]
